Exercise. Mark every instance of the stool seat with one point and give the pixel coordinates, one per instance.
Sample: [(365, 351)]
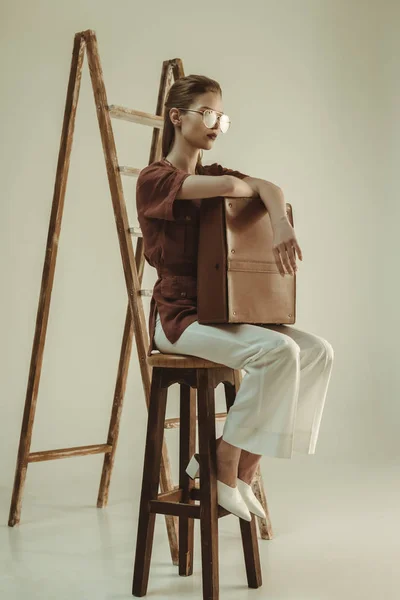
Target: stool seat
[(181, 361)]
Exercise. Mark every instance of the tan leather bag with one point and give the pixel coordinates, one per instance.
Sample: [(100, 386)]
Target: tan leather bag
[(238, 279)]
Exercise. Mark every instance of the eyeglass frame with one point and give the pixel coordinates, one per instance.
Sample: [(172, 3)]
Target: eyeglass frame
[(219, 115)]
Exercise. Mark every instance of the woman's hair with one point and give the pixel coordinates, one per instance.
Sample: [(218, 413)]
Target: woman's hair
[(182, 94)]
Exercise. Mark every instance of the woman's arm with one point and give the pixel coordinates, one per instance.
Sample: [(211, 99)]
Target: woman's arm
[(270, 194), (285, 244), (205, 186)]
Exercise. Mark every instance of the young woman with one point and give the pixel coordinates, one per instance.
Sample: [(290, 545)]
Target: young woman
[(278, 408)]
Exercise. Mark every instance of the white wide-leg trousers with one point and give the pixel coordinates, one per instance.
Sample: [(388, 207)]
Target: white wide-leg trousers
[(278, 407)]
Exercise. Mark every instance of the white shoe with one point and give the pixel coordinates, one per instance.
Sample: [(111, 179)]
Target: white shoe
[(231, 499), (228, 497), (253, 504)]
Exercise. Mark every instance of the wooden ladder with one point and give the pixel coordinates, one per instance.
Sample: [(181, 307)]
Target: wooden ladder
[(133, 265)]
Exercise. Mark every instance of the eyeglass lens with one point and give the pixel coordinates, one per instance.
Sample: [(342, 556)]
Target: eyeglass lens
[(210, 118)]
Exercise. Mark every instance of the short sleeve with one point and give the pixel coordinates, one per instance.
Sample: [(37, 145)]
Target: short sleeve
[(156, 190), (217, 169)]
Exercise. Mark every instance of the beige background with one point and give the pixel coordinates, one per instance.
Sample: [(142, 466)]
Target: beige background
[(312, 90)]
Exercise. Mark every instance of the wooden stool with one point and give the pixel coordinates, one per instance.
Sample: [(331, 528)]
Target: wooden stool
[(192, 374)]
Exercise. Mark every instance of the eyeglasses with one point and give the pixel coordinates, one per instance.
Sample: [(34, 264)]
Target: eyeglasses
[(210, 117)]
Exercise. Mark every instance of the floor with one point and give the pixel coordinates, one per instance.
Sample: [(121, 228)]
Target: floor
[(336, 537)]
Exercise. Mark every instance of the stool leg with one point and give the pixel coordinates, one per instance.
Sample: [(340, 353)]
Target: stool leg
[(208, 485), (248, 529), (251, 553), (187, 447), (150, 483)]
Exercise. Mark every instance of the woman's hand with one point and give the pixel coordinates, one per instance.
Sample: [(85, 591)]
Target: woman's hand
[(285, 246)]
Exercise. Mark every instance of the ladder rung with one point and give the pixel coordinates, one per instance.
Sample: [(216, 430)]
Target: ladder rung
[(175, 422), (136, 116), (173, 495), (145, 293), (67, 452), (129, 171), (136, 231)]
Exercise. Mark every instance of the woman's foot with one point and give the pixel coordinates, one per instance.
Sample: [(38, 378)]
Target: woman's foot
[(233, 462), (229, 496), (231, 499), (247, 467), (227, 462)]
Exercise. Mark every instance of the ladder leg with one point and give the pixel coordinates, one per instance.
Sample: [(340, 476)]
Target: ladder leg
[(126, 247), (113, 430), (18, 488), (264, 525), (112, 440), (47, 278)]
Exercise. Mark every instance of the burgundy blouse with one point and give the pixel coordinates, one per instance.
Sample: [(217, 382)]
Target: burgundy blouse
[(170, 229)]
